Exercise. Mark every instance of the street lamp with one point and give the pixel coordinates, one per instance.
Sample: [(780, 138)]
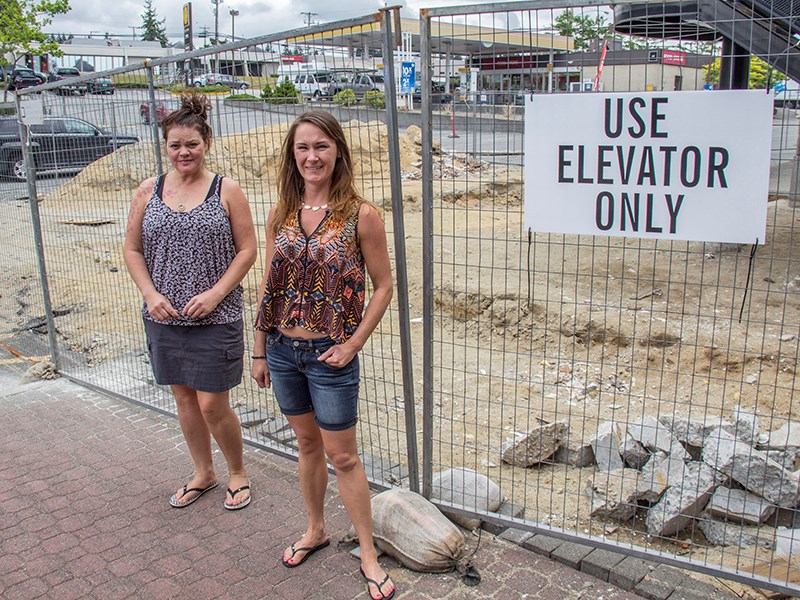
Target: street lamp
[(234, 13)]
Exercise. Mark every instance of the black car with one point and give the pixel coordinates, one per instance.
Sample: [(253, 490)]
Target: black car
[(22, 77), (59, 144), (66, 73)]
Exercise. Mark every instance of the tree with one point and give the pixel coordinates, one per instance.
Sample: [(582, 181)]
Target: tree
[(21, 23), (760, 74), (153, 30), (582, 29)]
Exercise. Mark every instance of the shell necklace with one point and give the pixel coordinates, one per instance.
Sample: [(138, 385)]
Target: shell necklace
[(315, 208)]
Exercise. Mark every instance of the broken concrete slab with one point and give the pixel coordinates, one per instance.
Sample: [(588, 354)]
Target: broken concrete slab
[(657, 475), (787, 458), (574, 452), (787, 436), (612, 494), (751, 468), (739, 506), (787, 541), (693, 431), (536, 446), (746, 423), (720, 533), (654, 436), (684, 499), (633, 453), (605, 445)]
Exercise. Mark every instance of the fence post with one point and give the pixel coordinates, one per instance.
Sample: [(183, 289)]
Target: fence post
[(401, 261), (427, 253), (151, 90), (793, 187), (36, 222)]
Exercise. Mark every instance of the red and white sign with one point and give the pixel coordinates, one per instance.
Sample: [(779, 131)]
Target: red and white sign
[(673, 57), (291, 58)]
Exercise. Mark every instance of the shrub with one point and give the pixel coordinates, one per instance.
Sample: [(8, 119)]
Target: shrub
[(245, 97), (346, 97), (375, 99), (283, 93)]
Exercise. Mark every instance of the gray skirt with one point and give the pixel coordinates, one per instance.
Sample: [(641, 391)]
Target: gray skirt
[(207, 358)]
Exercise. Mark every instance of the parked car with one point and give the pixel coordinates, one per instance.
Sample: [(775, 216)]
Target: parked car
[(59, 144), (220, 79), (316, 86), (163, 108), (22, 77), (101, 85), (65, 73), (360, 83)]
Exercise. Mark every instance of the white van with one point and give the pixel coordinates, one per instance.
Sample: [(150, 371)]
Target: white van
[(786, 94), (314, 85)]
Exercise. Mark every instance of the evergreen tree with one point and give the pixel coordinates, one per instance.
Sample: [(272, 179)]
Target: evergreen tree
[(153, 30)]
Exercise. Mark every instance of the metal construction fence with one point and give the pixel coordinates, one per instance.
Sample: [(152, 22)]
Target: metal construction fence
[(631, 393), (113, 141), (590, 378)]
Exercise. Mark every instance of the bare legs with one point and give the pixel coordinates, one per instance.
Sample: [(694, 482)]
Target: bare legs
[(201, 415), (340, 447)]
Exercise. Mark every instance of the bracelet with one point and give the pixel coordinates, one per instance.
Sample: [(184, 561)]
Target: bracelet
[(259, 357)]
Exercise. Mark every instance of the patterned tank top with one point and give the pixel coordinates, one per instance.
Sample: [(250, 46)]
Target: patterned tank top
[(316, 282), (188, 252)]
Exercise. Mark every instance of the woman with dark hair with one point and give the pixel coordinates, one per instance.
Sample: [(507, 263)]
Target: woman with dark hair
[(323, 239), (188, 245)]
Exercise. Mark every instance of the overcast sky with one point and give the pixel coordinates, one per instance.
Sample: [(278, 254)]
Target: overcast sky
[(256, 17)]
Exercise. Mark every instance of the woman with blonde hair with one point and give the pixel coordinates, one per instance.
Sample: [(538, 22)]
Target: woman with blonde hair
[(188, 245), (323, 239)]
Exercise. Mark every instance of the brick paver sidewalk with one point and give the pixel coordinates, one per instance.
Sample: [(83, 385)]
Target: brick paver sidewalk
[(84, 483)]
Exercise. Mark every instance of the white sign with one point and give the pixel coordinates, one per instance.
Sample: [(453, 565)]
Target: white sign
[(677, 165), (31, 110)]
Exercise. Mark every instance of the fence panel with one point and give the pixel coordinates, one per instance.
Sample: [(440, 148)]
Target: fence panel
[(595, 378), (105, 144)]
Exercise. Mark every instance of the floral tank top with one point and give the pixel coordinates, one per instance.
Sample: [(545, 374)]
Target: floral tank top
[(188, 252), (316, 282)]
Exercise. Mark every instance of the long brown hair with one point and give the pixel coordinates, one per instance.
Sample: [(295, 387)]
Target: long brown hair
[(343, 198), (193, 112)]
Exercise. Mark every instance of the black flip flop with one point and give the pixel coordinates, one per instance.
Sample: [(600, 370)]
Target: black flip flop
[(233, 493), (175, 503), (309, 550), (378, 586)]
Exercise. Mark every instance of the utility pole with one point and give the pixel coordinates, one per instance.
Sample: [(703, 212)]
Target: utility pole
[(308, 15), (133, 31), (216, 4)]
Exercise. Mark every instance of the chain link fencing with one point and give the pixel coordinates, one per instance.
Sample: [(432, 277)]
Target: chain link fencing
[(634, 394), (99, 142), (569, 347)]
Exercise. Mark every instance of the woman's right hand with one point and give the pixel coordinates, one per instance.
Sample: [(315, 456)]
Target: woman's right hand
[(159, 307), (260, 372)]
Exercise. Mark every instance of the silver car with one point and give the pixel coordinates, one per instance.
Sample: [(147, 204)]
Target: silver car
[(220, 79)]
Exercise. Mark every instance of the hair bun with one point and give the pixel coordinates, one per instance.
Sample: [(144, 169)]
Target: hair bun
[(195, 103)]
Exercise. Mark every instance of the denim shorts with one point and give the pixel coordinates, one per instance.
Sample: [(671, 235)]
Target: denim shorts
[(303, 384)]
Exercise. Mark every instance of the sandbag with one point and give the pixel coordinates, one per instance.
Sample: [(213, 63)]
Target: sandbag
[(412, 530), (468, 488)]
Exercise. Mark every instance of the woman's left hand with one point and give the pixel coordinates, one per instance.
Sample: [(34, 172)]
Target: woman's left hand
[(201, 305), (339, 355)]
